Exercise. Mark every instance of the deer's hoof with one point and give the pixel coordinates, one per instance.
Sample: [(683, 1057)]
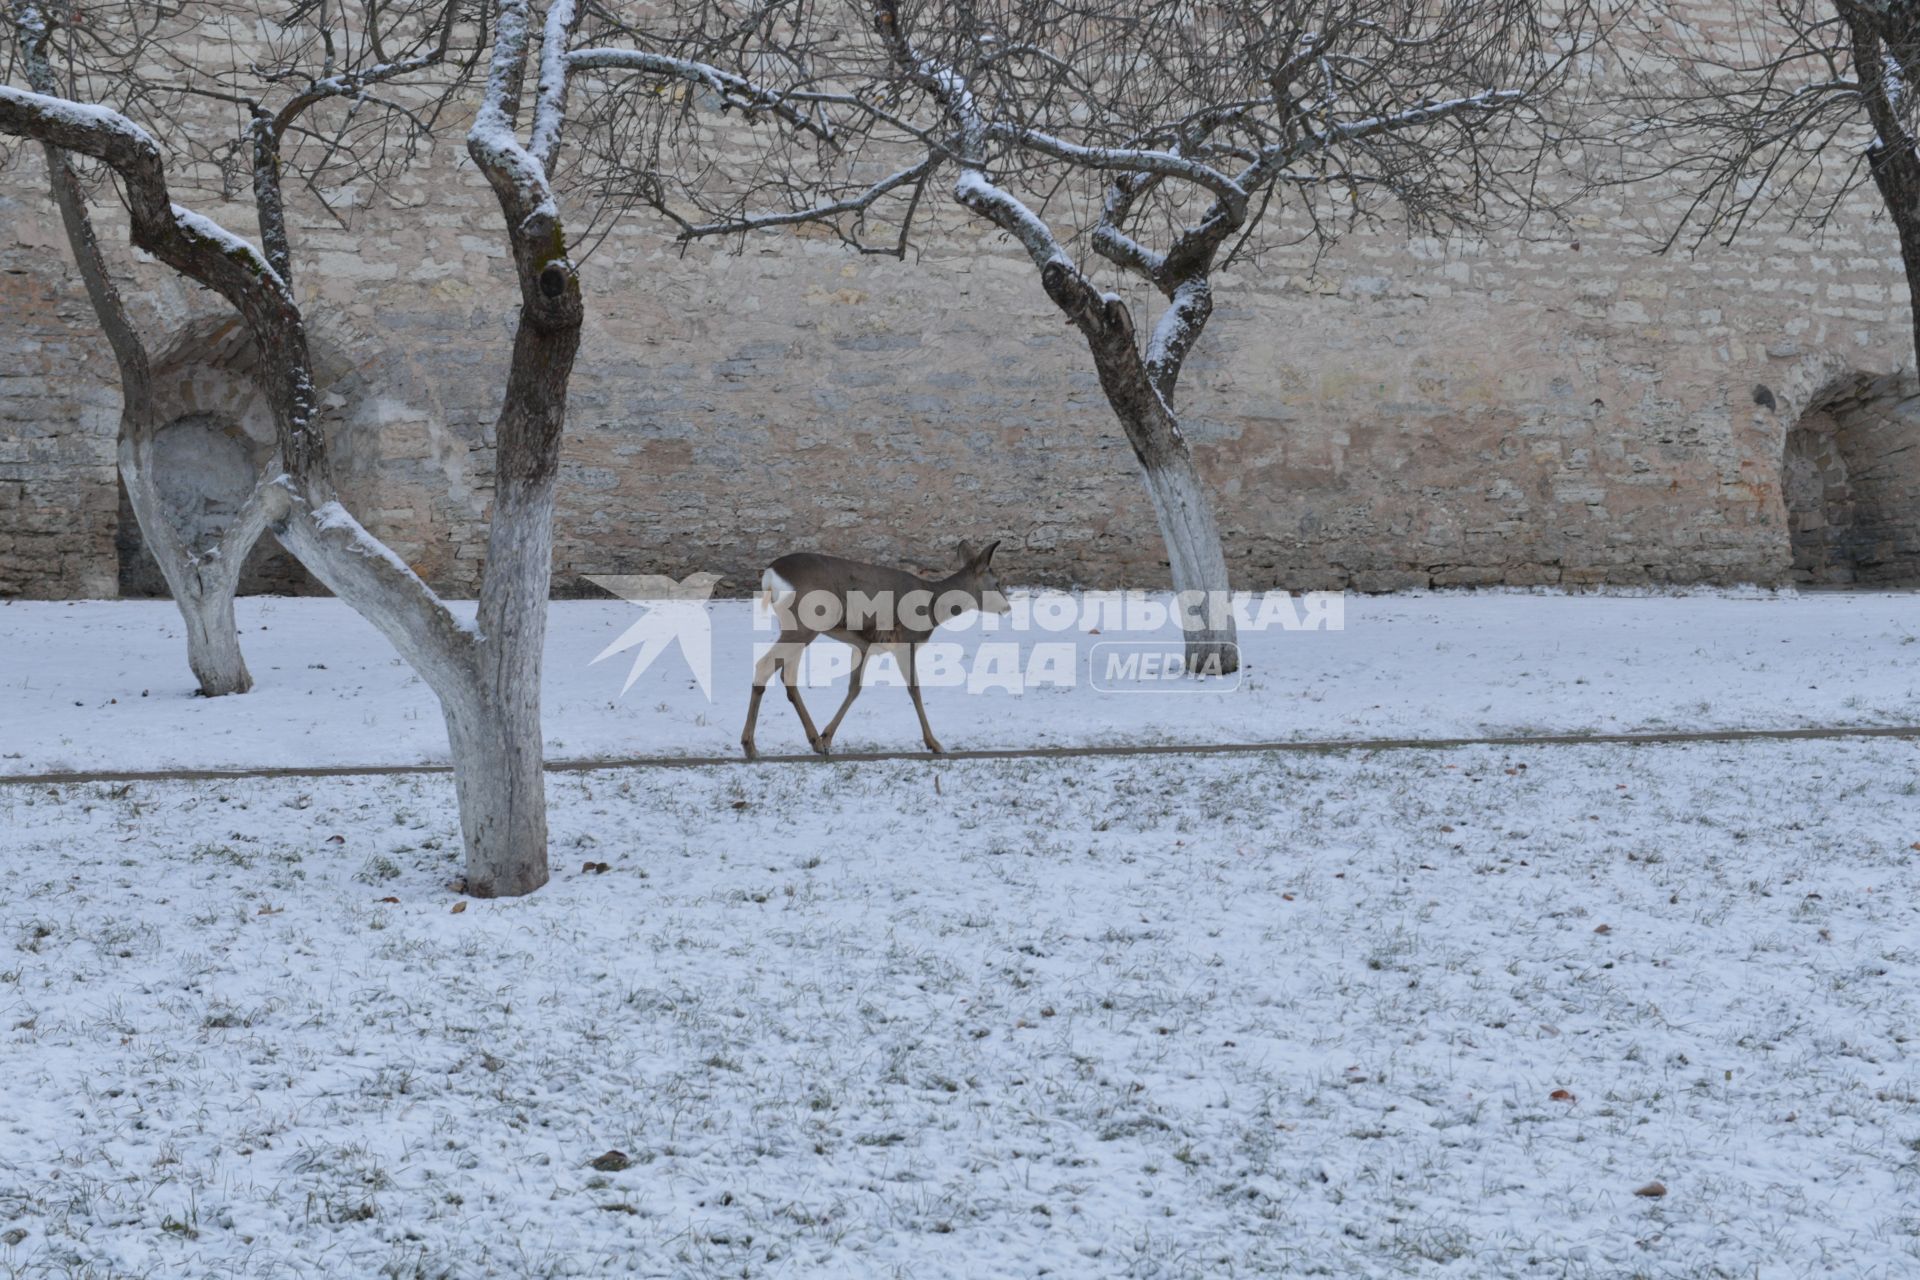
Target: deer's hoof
[(823, 745), (748, 748), (935, 748)]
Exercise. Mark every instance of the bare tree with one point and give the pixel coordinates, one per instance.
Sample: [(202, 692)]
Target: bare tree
[(1785, 108), (201, 566), (485, 673), (1165, 138), (113, 46)]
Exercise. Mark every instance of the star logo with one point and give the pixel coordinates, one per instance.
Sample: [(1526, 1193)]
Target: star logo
[(672, 611)]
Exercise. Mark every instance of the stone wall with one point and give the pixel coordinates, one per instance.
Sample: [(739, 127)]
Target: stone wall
[(58, 504), (1564, 409)]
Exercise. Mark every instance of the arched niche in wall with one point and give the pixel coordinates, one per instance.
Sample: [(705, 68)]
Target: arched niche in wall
[(217, 437), (1850, 479)]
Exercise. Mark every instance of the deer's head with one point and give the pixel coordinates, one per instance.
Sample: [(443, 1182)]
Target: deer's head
[(978, 579)]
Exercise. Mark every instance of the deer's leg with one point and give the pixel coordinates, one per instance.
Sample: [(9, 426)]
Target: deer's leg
[(753, 714), (788, 645), (913, 688), (853, 691)]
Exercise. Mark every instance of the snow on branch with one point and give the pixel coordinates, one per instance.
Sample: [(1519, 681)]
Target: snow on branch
[(94, 131), (1121, 249), (229, 244), (197, 247), (733, 90), (1176, 331), (354, 84), (333, 518), (517, 176), (945, 84), (973, 188), (1412, 117), (1011, 214), (1166, 164), (550, 99), (159, 225)]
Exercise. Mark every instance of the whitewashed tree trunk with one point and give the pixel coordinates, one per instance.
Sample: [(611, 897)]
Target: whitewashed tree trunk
[(203, 578), (203, 590), (503, 809), (500, 779), (213, 643), (1195, 560)]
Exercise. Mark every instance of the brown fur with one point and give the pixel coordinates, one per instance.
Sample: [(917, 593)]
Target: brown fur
[(809, 574)]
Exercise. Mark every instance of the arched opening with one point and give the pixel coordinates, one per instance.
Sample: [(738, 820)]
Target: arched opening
[(393, 455), (1850, 477), (1819, 497), (205, 465)]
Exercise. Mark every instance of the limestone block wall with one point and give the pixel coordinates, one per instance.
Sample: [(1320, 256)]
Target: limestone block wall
[(58, 504), (1565, 409)]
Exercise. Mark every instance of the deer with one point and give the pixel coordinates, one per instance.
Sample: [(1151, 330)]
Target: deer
[(870, 607)]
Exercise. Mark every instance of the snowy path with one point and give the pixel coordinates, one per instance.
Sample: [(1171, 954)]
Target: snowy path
[(104, 686), (1310, 746), (1418, 1013)]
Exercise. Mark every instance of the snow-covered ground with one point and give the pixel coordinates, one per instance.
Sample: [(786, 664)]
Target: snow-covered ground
[(105, 685), (1367, 1014), (1397, 1013)]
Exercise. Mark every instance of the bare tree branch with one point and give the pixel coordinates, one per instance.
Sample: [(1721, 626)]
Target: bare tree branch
[(1785, 113)]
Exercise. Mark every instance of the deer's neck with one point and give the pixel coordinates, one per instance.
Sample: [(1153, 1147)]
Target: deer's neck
[(962, 583)]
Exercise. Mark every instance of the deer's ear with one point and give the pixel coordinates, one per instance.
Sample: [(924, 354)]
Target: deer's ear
[(966, 552), (985, 553)]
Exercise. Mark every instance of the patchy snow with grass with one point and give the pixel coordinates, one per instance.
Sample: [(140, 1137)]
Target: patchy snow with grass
[(1365, 1014), (104, 685)]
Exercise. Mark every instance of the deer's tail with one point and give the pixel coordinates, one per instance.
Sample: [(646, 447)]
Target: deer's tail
[(775, 591)]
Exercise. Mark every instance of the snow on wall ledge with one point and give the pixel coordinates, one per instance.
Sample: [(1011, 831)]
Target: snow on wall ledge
[(1564, 411)]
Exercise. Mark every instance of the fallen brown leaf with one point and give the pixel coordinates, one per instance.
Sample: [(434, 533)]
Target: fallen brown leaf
[(458, 907), (1652, 1191)]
